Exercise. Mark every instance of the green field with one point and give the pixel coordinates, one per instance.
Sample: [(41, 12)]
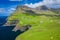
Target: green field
[(43, 27)]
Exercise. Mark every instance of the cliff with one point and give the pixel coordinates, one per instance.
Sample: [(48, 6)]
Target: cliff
[(44, 22)]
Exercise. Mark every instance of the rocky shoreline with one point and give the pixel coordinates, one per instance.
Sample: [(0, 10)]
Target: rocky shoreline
[(17, 27)]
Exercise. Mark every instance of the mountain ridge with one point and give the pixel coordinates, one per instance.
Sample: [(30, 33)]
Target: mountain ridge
[(45, 23), (43, 7)]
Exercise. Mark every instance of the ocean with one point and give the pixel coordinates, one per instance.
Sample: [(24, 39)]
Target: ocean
[(6, 32)]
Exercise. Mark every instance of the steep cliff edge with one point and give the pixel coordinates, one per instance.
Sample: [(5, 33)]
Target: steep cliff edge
[(45, 23)]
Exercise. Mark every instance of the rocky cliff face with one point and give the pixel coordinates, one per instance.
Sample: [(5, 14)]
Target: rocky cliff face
[(20, 8), (42, 20), (41, 10), (23, 8)]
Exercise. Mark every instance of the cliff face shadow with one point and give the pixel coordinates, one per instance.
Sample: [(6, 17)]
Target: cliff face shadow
[(6, 33)]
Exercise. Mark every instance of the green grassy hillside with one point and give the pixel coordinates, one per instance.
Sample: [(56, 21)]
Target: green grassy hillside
[(44, 27)]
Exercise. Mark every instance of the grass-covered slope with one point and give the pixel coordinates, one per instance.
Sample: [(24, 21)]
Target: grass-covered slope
[(44, 27)]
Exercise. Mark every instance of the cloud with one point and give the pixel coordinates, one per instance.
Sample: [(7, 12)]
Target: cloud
[(34, 5), (15, 0), (11, 10), (4, 10), (49, 3)]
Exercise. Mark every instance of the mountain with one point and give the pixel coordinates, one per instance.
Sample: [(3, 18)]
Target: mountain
[(38, 10), (23, 8), (44, 22), (56, 10), (42, 8)]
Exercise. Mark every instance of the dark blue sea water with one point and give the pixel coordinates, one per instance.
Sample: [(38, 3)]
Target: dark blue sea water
[(6, 32), (3, 20)]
